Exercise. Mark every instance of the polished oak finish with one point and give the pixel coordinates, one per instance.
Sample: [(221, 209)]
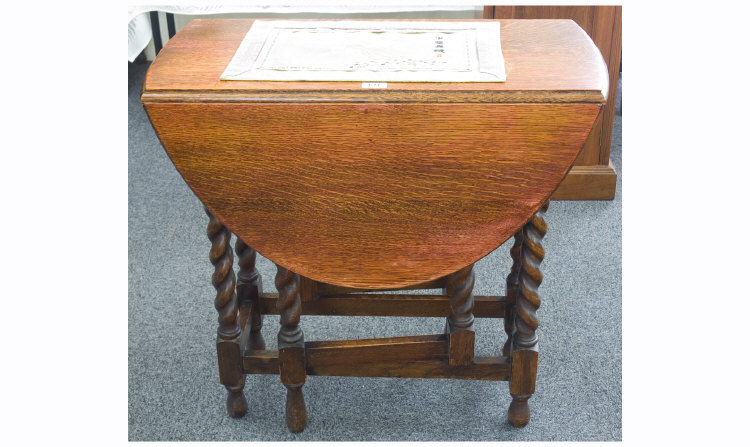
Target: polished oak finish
[(343, 185), (545, 60), (408, 182), (351, 191), (592, 177)]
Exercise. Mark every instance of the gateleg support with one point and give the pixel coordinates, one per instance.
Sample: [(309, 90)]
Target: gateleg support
[(460, 322), (249, 291)]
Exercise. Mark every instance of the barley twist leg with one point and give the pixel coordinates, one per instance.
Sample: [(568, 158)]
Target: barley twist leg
[(291, 348), (227, 342), (525, 351), (511, 283)]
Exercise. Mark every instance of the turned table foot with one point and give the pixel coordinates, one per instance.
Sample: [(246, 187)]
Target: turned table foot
[(518, 412), (236, 401)]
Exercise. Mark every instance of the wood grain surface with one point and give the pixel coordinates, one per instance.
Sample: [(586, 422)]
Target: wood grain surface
[(376, 191), (373, 195), (604, 25), (592, 177), (545, 61)]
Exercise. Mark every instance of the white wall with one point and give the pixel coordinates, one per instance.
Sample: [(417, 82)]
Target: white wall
[(180, 20)]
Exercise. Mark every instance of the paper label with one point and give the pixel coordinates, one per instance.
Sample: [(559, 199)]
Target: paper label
[(374, 85)]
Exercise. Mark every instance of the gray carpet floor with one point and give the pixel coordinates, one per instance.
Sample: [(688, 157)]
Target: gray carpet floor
[(173, 387)]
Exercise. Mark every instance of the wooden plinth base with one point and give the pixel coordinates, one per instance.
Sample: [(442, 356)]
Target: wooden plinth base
[(595, 182)]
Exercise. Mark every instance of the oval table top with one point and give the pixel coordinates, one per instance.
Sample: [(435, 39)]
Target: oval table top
[(376, 189)]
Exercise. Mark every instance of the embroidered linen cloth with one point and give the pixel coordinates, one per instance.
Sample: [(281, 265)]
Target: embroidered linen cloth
[(374, 51)]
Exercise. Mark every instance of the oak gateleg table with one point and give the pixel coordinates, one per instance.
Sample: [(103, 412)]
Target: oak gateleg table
[(352, 190)]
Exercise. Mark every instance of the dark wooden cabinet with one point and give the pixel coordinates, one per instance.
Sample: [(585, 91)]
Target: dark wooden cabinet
[(593, 176)]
